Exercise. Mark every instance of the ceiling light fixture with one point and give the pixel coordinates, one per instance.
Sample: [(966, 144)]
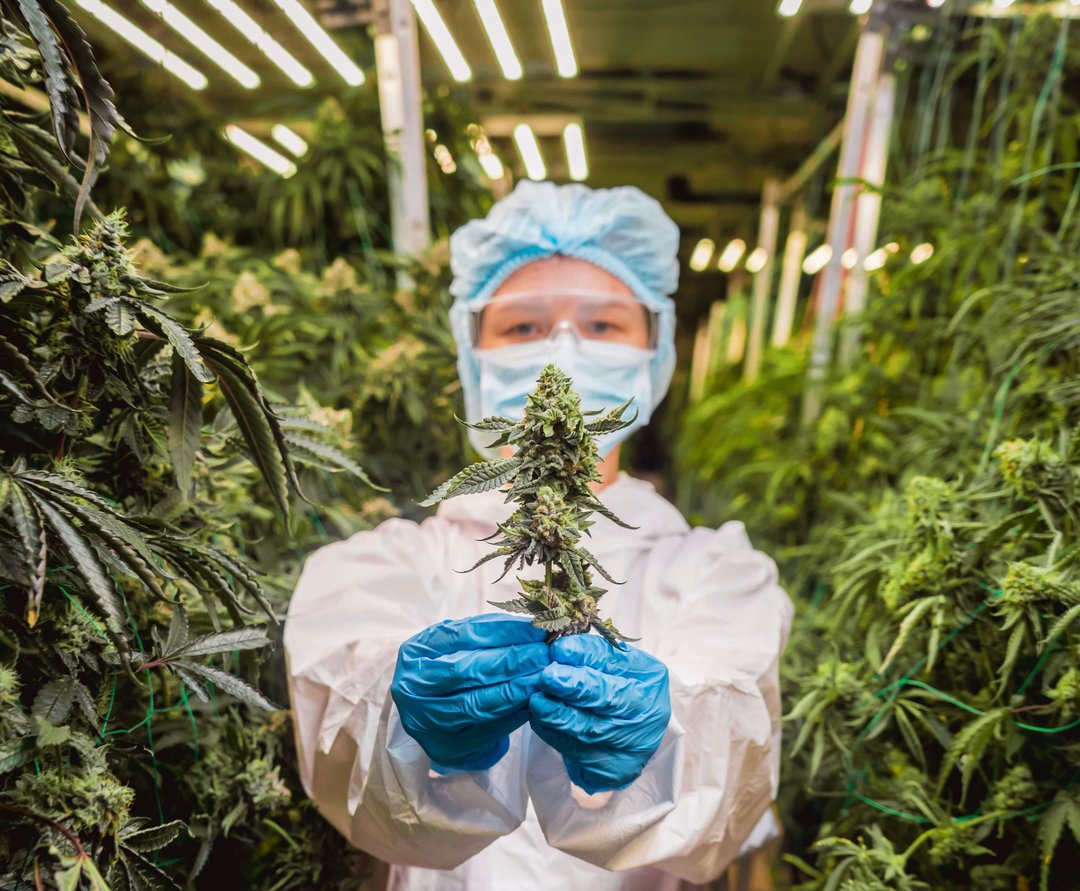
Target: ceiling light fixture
[(702, 254), (574, 141), (817, 260), (319, 39), (876, 260), (259, 150), (262, 41), (731, 255), (145, 44), (850, 258), (499, 38), (858, 7), (555, 16), (788, 8), (921, 253), (529, 149), (443, 40), (204, 43), (757, 260), (489, 161), (289, 139)]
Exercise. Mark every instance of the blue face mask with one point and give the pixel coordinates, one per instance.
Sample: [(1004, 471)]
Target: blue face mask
[(604, 374)]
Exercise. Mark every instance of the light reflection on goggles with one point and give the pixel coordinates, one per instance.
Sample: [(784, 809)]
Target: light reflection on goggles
[(594, 315)]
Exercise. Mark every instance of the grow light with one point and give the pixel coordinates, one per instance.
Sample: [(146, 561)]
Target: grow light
[(145, 44), (1002, 4), (291, 140), (702, 254), (574, 140), (262, 41), (319, 39), (499, 38), (259, 150), (850, 258), (934, 4), (876, 260), (489, 161), (731, 255), (757, 260), (789, 8), (922, 252), (445, 159), (858, 7), (529, 149), (203, 42), (555, 16), (441, 37), (819, 258)]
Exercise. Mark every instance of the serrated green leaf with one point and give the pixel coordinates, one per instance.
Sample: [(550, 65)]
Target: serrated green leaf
[(480, 477), (248, 638), (54, 701), (16, 752), (146, 841), (178, 631), (164, 325), (34, 547), (185, 422), (89, 567), (227, 683)]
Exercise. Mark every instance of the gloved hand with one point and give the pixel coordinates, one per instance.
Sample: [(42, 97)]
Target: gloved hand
[(603, 709), (462, 686)]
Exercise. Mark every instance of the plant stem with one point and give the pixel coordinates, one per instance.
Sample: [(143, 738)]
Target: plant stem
[(59, 827)]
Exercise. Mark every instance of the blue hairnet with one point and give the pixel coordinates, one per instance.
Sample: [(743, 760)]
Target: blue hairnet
[(621, 230)]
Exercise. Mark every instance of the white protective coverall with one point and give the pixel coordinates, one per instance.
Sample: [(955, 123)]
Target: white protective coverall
[(703, 601)]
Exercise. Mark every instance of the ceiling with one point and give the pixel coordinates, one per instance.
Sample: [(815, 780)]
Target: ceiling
[(694, 101)]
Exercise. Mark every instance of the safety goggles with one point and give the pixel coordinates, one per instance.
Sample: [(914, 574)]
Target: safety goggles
[(542, 315)]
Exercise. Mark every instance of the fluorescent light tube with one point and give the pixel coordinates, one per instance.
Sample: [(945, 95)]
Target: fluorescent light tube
[(289, 139), (922, 252), (789, 8), (817, 260), (499, 38), (731, 255), (319, 39), (702, 254), (574, 141), (259, 150), (876, 260), (443, 40), (757, 260), (266, 44), (858, 7), (145, 44), (203, 42), (555, 15), (529, 149)]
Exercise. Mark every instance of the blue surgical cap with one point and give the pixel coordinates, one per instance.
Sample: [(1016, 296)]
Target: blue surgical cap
[(621, 230)]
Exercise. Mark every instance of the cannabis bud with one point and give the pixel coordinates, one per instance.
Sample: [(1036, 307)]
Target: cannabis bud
[(549, 477)]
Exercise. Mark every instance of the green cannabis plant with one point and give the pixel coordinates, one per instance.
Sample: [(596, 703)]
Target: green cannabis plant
[(549, 479)]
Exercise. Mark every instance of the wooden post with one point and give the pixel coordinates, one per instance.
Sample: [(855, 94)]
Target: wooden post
[(397, 61), (768, 235), (864, 76)]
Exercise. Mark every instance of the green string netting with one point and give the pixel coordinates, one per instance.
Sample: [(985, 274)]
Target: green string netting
[(892, 690)]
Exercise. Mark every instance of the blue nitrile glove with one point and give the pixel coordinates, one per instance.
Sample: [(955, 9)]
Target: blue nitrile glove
[(604, 709), (462, 686)]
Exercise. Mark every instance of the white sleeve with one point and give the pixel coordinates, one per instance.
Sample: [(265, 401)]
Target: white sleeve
[(713, 612), (356, 601)]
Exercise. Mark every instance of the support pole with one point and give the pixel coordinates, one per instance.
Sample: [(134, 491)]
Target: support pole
[(790, 276), (868, 208), (397, 61), (768, 235), (864, 76)]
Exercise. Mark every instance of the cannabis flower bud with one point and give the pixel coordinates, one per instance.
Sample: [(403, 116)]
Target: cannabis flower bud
[(549, 480)]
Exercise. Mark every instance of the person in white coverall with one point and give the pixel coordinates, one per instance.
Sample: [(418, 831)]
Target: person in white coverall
[(455, 743)]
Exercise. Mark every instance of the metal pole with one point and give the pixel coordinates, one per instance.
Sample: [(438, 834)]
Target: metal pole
[(397, 61), (864, 76), (868, 208), (768, 234), (790, 275)]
